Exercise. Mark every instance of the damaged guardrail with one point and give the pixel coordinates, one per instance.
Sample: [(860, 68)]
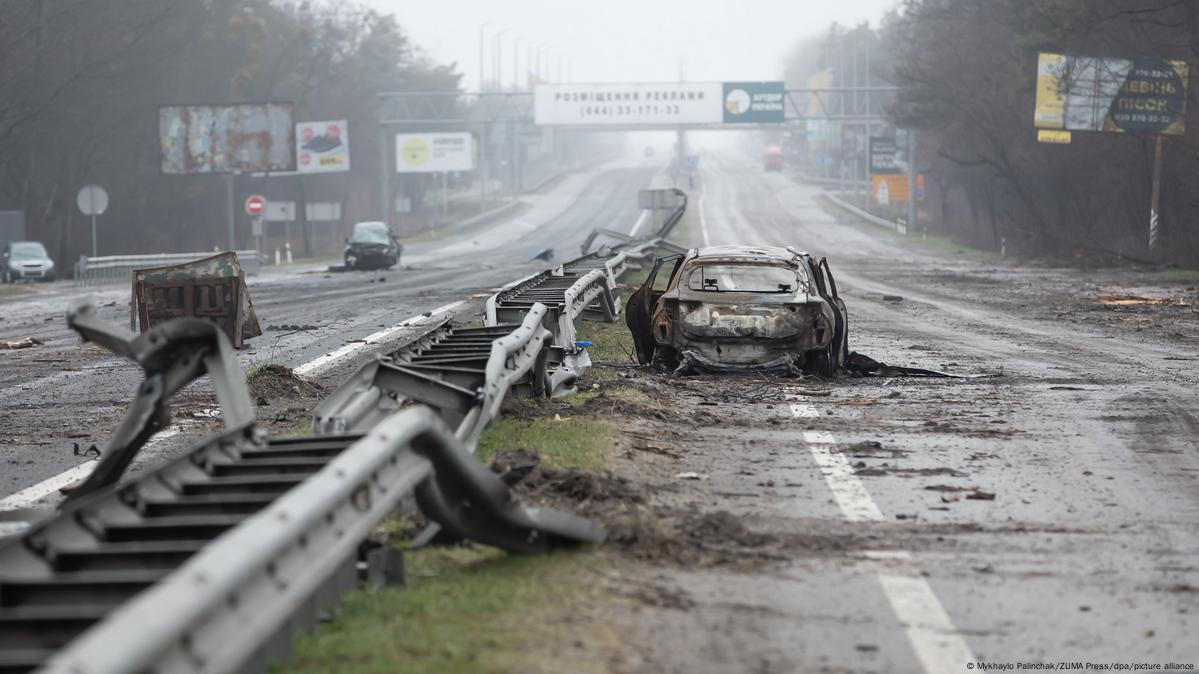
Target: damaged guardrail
[(91, 271), (463, 373), (210, 562)]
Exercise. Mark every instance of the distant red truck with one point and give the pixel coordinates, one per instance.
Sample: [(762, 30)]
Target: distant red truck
[(773, 159)]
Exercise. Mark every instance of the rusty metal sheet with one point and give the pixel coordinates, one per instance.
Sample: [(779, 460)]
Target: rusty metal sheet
[(227, 138), (213, 288)]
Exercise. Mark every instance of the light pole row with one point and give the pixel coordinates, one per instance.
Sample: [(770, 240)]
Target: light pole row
[(542, 60)]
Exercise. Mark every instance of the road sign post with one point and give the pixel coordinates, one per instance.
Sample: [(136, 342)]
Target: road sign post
[(92, 201)]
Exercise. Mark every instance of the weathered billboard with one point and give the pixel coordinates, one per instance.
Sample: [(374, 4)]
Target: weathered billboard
[(1079, 93), (227, 138), (434, 152)]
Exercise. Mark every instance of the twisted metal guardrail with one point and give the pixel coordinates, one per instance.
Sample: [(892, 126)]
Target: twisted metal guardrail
[(92, 271), (464, 374), (212, 562), (206, 563)]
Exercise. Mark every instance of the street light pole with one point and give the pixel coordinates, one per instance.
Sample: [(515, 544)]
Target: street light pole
[(498, 65), (482, 48), (516, 63)]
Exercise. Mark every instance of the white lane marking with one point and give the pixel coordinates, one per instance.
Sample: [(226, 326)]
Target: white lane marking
[(703, 221), (640, 221), (28, 496), (804, 411), (932, 634), (328, 359), (848, 490)]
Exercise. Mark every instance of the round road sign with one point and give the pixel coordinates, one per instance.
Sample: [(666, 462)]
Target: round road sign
[(92, 200), (255, 205)]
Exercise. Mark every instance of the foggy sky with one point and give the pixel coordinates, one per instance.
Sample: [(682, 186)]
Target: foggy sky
[(629, 40)]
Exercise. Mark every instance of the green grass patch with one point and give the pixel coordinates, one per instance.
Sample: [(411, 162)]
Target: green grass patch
[(466, 609), (12, 290), (609, 341), (568, 442), (937, 243)]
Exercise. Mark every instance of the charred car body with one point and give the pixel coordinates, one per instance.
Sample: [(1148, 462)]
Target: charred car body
[(731, 308)]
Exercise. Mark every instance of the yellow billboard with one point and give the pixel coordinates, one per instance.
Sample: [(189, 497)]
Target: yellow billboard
[(1115, 95)]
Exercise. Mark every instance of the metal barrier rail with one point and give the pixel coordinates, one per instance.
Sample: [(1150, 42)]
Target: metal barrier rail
[(866, 215), (463, 373), (209, 562), (119, 268), (212, 562)]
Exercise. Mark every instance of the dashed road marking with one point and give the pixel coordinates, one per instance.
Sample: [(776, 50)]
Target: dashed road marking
[(322, 362), (703, 221), (929, 629)]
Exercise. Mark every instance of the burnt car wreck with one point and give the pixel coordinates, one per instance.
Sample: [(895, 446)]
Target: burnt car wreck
[(740, 308)]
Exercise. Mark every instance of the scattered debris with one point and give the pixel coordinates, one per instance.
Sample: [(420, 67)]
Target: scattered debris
[(288, 327), (979, 495), (892, 470), (1139, 300), (27, 343), (92, 451), (654, 448), (691, 476), (862, 365)]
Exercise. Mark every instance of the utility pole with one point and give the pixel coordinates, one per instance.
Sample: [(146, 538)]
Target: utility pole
[(913, 171), (1155, 205)]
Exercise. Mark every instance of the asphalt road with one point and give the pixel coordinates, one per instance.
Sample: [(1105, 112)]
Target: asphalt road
[(64, 393), (1087, 440)]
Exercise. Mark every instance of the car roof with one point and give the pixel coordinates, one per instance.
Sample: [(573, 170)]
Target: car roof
[(371, 224), (748, 253)]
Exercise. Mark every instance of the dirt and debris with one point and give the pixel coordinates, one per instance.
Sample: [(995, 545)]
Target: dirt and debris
[(272, 380), (1139, 300), (288, 327)]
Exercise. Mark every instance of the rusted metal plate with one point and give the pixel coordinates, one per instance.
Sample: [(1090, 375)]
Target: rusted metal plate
[(213, 288), (227, 138)]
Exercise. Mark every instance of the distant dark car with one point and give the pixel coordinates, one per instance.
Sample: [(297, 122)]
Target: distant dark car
[(372, 246), (740, 308), (26, 260)]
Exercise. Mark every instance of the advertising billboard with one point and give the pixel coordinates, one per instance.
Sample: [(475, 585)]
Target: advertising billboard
[(884, 156), (324, 147), (1115, 95), (227, 138), (433, 152), (638, 104), (754, 102)]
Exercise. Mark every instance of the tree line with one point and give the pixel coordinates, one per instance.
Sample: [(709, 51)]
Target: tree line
[(81, 82), (966, 77)]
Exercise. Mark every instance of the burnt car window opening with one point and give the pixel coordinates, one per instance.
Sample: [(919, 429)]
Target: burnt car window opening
[(28, 251), (743, 278)]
